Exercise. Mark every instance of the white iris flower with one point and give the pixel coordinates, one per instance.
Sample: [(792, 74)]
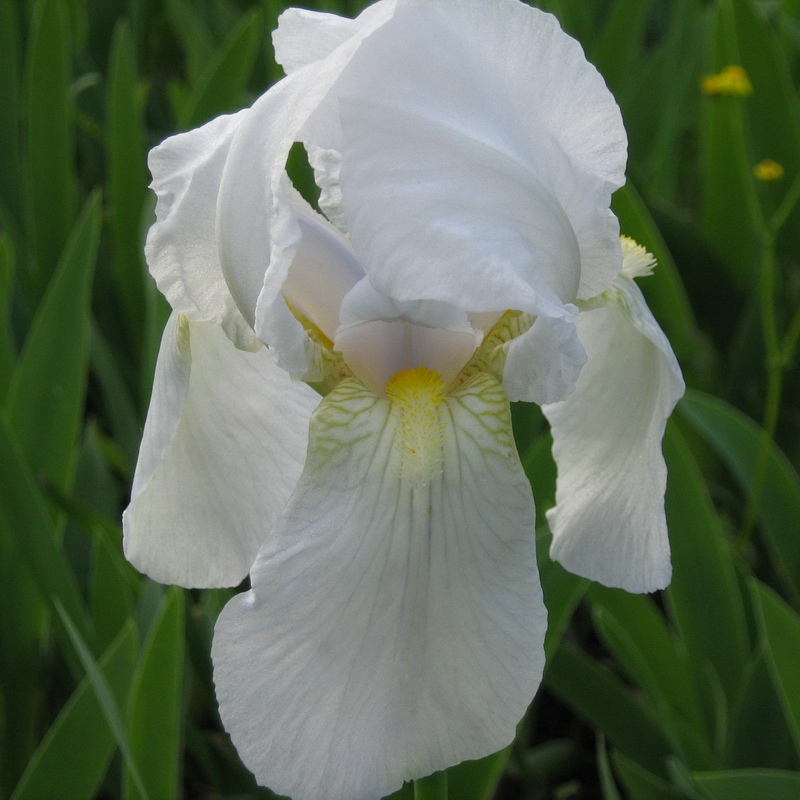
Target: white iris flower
[(466, 152)]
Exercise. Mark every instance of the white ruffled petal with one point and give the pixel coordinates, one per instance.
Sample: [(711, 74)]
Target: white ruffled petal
[(181, 245), (543, 364), (487, 235), (223, 447), (395, 623), (304, 36), (608, 523), (257, 225), (541, 108)]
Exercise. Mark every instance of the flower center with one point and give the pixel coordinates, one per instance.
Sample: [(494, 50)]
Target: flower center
[(418, 397)]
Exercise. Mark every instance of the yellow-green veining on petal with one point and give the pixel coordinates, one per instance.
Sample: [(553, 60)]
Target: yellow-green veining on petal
[(490, 356), (326, 367)]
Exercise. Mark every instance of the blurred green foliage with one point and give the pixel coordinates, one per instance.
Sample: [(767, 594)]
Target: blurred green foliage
[(105, 680)]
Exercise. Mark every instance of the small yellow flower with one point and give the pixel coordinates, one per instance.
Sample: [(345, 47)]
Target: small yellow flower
[(768, 170), (732, 82), (710, 84)]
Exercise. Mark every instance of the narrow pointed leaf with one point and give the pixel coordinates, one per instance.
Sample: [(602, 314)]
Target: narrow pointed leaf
[(758, 733), (641, 783), (24, 513), (648, 632), (50, 137), (607, 784), (737, 440), (9, 108), (221, 85), (773, 110), (562, 591), (664, 289), (154, 719), (105, 697), (747, 784), (74, 754), (730, 205), (45, 402), (477, 780), (779, 625), (127, 178), (598, 696), (8, 355), (704, 595), (110, 596)]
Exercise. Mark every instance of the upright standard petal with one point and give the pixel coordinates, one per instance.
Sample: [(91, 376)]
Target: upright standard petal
[(608, 523), (304, 36), (257, 247), (541, 108), (223, 447), (181, 245), (395, 623)]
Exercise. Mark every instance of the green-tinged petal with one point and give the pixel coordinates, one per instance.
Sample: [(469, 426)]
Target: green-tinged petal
[(223, 447), (395, 623), (608, 523)]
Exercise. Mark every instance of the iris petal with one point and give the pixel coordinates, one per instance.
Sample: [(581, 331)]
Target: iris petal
[(223, 446), (608, 523), (395, 625)]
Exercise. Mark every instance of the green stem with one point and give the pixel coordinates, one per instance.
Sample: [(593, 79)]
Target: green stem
[(434, 787), (790, 339), (787, 205)]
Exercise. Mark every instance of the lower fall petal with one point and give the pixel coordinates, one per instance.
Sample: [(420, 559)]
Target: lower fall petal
[(223, 447), (395, 621), (608, 523)]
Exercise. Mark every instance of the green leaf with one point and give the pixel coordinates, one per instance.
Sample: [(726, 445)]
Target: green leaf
[(656, 644), (669, 70), (651, 662), (127, 179), (477, 780), (195, 39), (773, 111), (779, 626), (704, 595), (8, 355), (45, 401), (750, 784), (641, 783), (431, 787), (758, 733), (540, 468), (25, 517), (154, 719), (618, 49), (731, 210), (23, 622), (50, 175), (10, 187), (607, 784), (105, 697), (737, 440), (598, 696), (664, 289), (109, 592), (561, 589), (118, 405), (221, 86), (74, 754)]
